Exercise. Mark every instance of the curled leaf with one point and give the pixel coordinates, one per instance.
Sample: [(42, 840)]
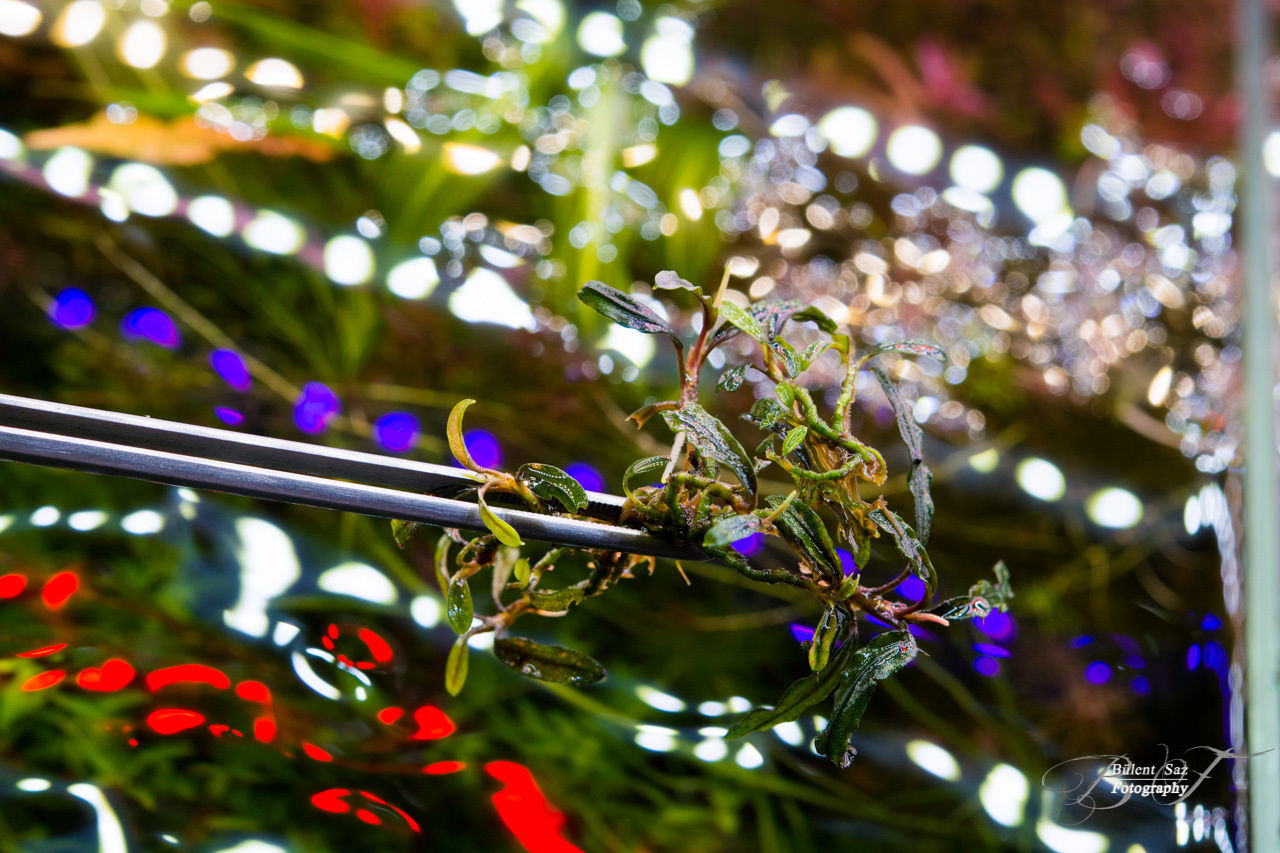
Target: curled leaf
[(502, 531), (458, 609), (731, 379), (877, 660), (811, 352), (920, 477), (818, 317), (556, 600), (730, 529), (669, 280), (455, 668), (641, 466), (824, 639), (454, 431), (554, 664), (904, 348), (551, 484), (786, 355), (622, 309), (712, 440)]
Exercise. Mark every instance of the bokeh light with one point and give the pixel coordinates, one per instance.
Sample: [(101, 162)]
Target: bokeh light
[(397, 431)]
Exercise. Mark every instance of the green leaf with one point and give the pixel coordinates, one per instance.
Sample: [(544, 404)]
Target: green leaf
[(824, 639), (731, 379), (403, 531), (741, 319), (921, 566), (642, 466), (804, 531), (920, 476), (800, 696), (455, 668), (871, 664), (522, 572), (770, 315), (765, 413), (554, 664), (730, 529), (818, 317), (556, 600), (551, 484), (811, 352), (793, 439), (622, 309), (787, 355), (712, 440), (454, 431), (502, 531), (786, 396), (442, 562), (669, 280), (904, 348), (458, 609), (983, 597)]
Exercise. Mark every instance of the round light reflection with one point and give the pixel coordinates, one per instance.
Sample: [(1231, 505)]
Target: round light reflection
[(1113, 507), (914, 149), (1041, 479)]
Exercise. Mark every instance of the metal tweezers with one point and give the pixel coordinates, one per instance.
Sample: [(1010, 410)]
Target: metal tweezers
[(44, 433)]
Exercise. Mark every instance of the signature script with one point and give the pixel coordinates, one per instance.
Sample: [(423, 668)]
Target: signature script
[(1102, 782)]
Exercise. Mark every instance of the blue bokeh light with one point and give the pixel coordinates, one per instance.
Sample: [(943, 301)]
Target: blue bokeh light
[(1193, 656), (484, 448), (231, 367), (993, 650), (912, 589), (1140, 685), (988, 666), (153, 325), (1098, 672), (802, 633), (847, 561), (1215, 656), (1081, 641), (72, 308), (316, 406), (749, 546), (997, 625), (589, 478), (1210, 622), (397, 431), (228, 416)]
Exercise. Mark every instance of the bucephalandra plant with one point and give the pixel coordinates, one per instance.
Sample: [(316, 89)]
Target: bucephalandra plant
[(706, 493)]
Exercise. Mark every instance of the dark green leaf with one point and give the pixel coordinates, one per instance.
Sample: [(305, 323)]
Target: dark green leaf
[(648, 465), (556, 600), (458, 609), (803, 529), (817, 317), (455, 668), (913, 438), (622, 309), (403, 531), (740, 318), (712, 440), (551, 484), (824, 639), (793, 439), (765, 413), (555, 664), (730, 529), (877, 660), (731, 379), (502, 531), (799, 697), (909, 545)]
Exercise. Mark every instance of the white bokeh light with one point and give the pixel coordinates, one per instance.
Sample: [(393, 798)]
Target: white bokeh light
[(600, 34), (143, 44), (213, 214), (144, 189), (976, 168), (1039, 194), (79, 23), (1114, 507), (850, 131), (348, 260), (274, 73), (18, 18), (413, 279), (274, 233), (667, 56), (1041, 479), (207, 63), (914, 149), (486, 297), (67, 171)]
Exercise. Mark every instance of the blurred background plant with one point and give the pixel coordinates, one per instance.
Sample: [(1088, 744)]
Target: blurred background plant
[(335, 220)]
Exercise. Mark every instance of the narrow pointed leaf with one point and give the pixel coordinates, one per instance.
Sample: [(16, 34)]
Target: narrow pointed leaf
[(818, 317), (803, 529), (728, 530), (502, 531), (442, 562), (787, 356), (454, 432), (921, 566), (556, 600), (740, 318), (551, 484), (731, 379), (712, 440), (811, 352), (455, 668), (554, 664), (920, 477), (904, 348), (793, 439), (403, 531), (458, 609), (983, 598), (824, 640), (622, 309), (871, 664), (503, 565)]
